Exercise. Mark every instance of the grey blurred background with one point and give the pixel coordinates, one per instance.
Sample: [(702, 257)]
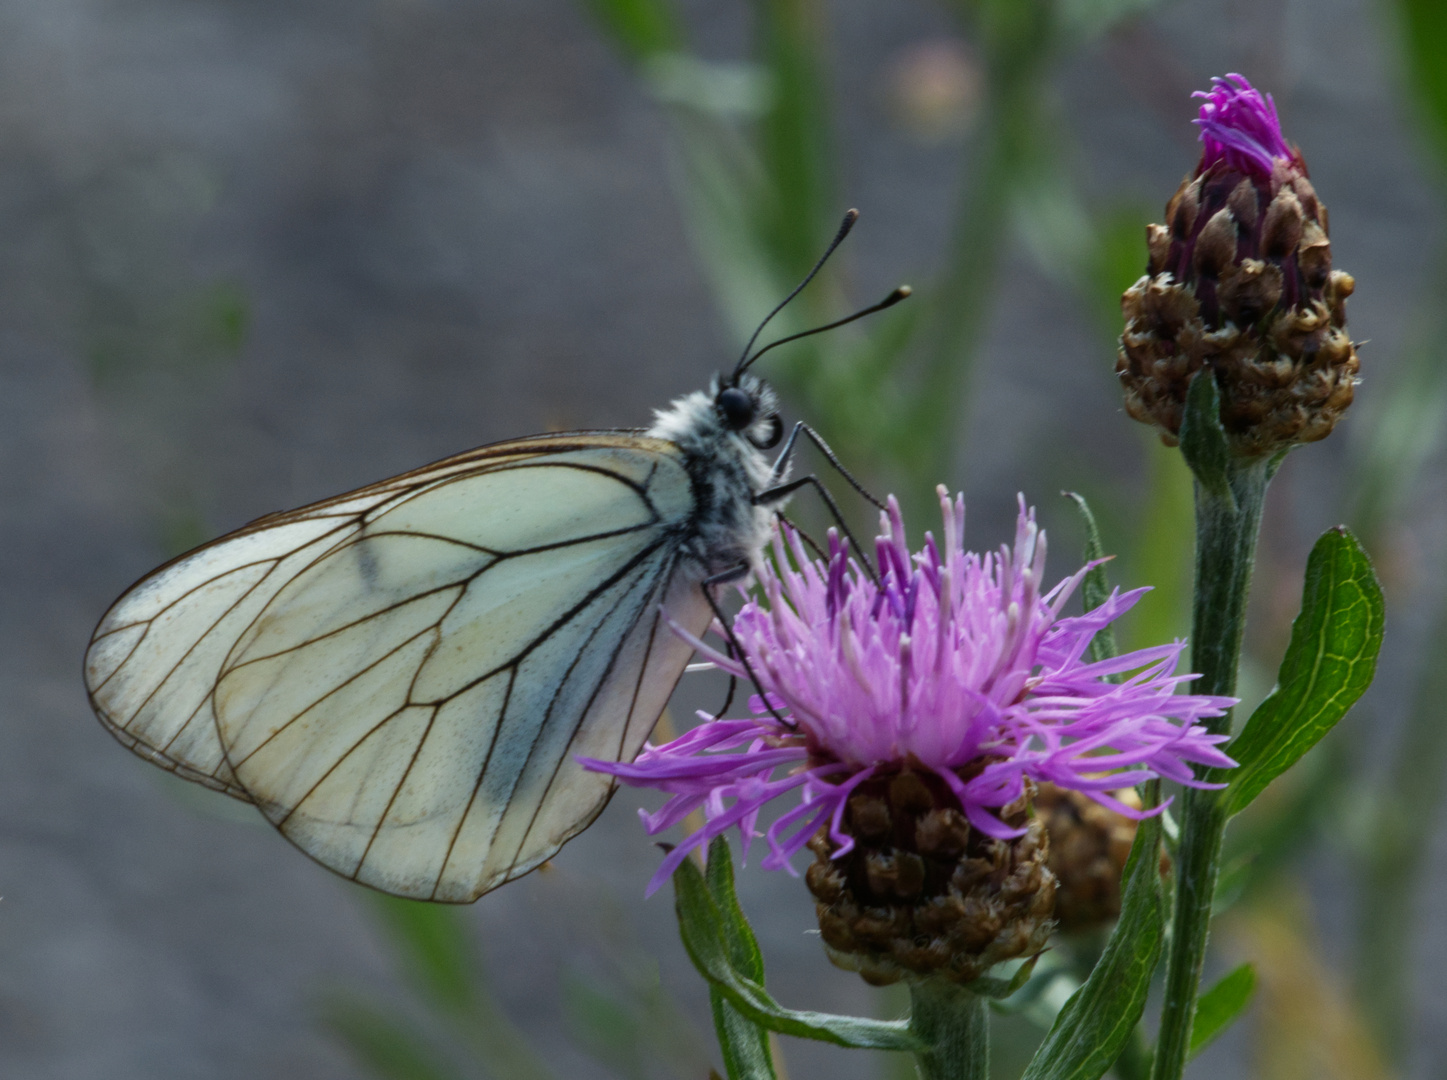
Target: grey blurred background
[(254, 253)]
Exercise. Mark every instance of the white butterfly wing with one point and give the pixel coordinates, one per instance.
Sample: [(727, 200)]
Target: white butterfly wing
[(156, 655), (401, 678)]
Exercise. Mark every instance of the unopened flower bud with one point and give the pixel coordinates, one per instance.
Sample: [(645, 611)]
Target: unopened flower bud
[(1240, 280), (1089, 845), (921, 893)]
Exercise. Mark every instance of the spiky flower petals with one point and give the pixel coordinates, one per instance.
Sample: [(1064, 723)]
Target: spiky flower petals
[(1240, 128), (957, 666), (1240, 280)]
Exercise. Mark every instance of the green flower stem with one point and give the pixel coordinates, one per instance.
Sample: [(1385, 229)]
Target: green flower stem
[(1227, 526), (955, 1024)]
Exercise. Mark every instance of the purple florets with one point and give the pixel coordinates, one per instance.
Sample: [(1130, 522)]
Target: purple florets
[(954, 662), (1239, 126)]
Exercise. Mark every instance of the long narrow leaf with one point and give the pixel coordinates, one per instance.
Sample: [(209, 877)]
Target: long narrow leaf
[(1329, 663), (745, 1044), (1095, 589), (702, 925), (1219, 1006), (1203, 439), (1093, 1027)]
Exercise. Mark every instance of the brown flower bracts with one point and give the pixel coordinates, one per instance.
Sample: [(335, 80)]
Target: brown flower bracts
[(1240, 281)]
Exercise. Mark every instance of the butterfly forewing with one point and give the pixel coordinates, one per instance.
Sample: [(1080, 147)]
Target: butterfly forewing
[(154, 659), (402, 677)]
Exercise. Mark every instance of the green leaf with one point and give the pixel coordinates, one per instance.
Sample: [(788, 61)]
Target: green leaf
[(744, 952), (1329, 663), (1095, 1024), (745, 1044), (710, 941), (385, 1048), (640, 28), (1095, 589), (999, 989), (1203, 439), (1219, 1006)]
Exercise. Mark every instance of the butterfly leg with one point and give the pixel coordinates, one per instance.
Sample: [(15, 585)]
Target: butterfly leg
[(779, 492), (781, 463), (736, 573), (728, 698)]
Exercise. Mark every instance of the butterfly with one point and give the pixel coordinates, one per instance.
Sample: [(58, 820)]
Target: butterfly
[(400, 678)]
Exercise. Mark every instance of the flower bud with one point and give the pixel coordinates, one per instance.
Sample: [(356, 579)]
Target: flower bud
[(923, 894), (1240, 280), (1089, 846)]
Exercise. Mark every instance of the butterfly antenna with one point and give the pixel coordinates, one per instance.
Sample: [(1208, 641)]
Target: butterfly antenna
[(889, 301), (848, 223)]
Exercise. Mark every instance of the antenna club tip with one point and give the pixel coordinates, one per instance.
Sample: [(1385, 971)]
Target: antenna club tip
[(903, 291), (852, 214)]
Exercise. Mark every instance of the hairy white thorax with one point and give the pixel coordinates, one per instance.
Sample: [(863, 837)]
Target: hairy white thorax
[(727, 470)]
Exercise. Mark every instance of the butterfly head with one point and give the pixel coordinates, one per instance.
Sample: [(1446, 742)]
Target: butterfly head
[(748, 406)]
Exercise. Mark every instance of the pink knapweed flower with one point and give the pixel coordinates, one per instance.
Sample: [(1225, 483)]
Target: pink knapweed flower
[(1239, 126), (955, 663)]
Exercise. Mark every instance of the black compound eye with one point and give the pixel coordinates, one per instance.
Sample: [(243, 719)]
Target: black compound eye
[(776, 432), (736, 407)]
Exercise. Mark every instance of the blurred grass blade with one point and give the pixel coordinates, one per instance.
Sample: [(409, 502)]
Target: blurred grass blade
[(1095, 1024), (703, 926), (604, 1026), (640, 28), (1095, 589), (795, 135), (1219, 1006), (1424, 44), (1329, 663), (741, 91), (437, 952), (1117, 261), (441, 960), (385, 1048)]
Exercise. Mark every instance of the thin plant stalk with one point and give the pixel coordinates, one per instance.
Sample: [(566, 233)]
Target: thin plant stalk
[(954, 1023), (1227, 527)]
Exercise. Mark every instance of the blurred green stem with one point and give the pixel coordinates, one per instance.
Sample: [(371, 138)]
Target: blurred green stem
[(1405, 430), (956, 1025), (1227, 525), (1402, 826), (1016, 38)]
